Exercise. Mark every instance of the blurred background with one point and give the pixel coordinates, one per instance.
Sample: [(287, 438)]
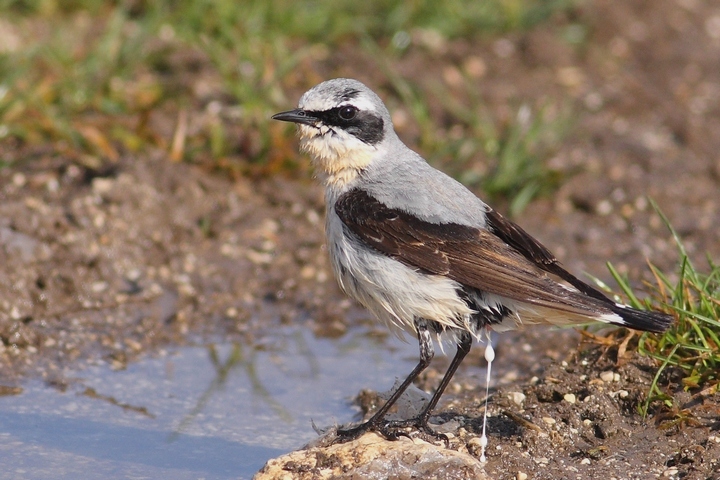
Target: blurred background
[(148, 203), (492, 91)]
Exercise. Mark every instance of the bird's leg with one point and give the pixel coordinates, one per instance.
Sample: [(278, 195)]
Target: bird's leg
[(421, 421), (463, 348), (377, 421)]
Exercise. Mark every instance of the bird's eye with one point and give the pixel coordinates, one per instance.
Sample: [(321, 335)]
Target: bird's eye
[(348, 112)]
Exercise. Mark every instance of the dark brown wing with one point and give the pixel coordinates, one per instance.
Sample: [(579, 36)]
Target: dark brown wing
[(515, 236), (509, 264)]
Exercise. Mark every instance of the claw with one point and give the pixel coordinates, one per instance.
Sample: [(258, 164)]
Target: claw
[(435, 435), (392, 430)]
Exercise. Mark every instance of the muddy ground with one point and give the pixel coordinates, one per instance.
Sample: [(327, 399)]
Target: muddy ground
[(105, 262)]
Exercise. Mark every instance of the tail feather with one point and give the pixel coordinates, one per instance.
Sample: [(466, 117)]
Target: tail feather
[(644, 320)]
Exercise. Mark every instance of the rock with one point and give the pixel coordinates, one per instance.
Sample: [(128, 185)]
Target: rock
[(517, 397), (549, 420), (27, 248), (371, 456)]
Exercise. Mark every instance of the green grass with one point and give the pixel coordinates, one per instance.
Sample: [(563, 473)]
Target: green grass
[(514, 151), (93, 80), (317, 20), (688, 354), (518, 172)]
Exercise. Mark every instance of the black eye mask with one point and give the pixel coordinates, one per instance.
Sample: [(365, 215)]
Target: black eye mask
[(365, 126)]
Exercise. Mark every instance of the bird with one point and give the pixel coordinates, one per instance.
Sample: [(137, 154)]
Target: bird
[(422, 252)]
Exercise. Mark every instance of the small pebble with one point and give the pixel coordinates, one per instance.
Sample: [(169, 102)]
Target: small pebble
[(19, 180), (521, 476), (607, 376), (587, 422), (585, 461), (569, 397), (307, 272), (133, 274), (517, 397), (313, 217), (604, 208), (549, 420)]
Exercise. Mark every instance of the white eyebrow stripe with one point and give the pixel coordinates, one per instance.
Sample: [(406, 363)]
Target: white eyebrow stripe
[(361, 103)]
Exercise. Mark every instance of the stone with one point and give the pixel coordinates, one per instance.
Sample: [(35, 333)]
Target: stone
[(371, 456)]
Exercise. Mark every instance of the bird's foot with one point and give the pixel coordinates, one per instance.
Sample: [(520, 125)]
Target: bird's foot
[(352, 433), (392, 430), (403, 428)]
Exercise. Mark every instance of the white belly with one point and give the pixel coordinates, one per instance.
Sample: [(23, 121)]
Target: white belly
[(395, 293)]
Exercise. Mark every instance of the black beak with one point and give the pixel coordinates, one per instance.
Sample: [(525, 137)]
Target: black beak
[(296, 116)]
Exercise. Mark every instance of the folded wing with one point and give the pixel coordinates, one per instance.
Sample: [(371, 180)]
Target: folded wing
[(501, 259)]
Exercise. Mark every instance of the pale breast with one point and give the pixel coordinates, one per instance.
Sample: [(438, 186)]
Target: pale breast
[(394, 292)]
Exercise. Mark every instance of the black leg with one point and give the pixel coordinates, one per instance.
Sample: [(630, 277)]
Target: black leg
[(463, 348), (376, 422), (421, 421)]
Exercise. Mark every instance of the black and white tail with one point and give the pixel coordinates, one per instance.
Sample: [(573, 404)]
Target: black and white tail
[(646, 321)]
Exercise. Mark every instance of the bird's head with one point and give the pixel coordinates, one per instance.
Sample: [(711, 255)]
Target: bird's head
[(343, 125)]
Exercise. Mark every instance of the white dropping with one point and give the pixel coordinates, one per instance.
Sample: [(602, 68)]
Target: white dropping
[(489, 356)]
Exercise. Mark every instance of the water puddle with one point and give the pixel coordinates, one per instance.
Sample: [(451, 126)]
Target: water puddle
[(210, 412)]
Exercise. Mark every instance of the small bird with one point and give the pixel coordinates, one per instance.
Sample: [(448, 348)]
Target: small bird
[(422, 252)]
